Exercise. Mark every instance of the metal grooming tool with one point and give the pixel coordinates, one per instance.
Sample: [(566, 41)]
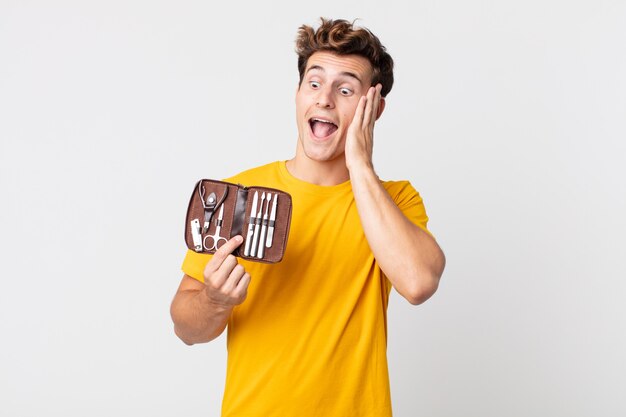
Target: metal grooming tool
[(270, 229), (257, 225), (250, 233), (216, 237), (209, 207), (195, 234), (264, 227)]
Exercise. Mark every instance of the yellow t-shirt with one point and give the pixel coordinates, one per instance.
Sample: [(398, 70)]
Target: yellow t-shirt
[(311, 337)]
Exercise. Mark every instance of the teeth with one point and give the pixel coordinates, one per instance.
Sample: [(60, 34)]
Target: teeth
[(323, 121)]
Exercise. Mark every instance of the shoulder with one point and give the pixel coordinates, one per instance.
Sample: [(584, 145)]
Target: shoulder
[(409, 201), (255, 176), (401, 191)]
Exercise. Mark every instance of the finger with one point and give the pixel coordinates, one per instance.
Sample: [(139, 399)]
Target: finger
[(357, 120), (221, 275), (376, 104), (233, 278), (217, 279), (220, 255), (241, 291), (368, 108)]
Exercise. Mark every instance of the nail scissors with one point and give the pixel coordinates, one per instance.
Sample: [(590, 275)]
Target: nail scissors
[(217, 239)]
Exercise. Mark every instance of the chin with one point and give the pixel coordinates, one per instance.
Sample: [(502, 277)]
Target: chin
[(322, 150), (322, 155)]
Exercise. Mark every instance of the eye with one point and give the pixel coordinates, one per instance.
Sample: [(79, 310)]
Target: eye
[(345, 91), (314, 85)]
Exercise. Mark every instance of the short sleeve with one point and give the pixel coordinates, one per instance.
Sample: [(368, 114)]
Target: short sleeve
[(194, 264), (409, 202)]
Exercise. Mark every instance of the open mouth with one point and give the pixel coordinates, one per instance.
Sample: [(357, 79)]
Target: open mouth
[(322, 128)]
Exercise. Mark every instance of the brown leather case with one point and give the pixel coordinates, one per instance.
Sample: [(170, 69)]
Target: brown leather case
[(206, 202)]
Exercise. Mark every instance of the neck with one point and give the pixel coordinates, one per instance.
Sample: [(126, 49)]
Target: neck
[(326, 173)]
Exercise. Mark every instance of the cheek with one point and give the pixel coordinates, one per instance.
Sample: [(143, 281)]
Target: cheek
[(299, 111), (301, 106), (347, 118), (351, 110)]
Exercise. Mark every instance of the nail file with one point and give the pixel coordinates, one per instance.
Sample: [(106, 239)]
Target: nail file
[(270, 230), (264, 227), (250, 233), (257, 225)]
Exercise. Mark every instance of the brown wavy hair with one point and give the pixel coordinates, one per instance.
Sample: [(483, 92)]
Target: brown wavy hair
[(343, 38)]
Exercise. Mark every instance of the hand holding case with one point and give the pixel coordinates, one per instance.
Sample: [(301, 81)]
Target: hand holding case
[(210, 197)]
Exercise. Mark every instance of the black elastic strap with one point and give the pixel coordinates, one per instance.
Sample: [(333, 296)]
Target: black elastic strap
[(240, 211)]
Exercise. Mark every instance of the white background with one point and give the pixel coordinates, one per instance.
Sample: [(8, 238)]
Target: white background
[(507, 116)]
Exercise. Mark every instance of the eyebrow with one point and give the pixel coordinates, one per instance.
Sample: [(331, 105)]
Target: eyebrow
[(344, 73)]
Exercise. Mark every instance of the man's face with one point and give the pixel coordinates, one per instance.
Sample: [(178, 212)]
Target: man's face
[(327, 100)]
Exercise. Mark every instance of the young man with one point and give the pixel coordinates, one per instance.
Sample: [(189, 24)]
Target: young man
[(307, 336)]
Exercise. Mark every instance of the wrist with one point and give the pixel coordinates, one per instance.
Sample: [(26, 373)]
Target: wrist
[(360, 168), (214, 306)]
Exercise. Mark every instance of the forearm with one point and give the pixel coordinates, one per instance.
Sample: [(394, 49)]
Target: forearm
[(409, 256), (196, 319)]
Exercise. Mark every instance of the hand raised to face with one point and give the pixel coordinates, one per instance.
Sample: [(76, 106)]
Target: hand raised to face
[(360, 136)]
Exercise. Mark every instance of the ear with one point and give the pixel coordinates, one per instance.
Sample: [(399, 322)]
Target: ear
[(381, 107)]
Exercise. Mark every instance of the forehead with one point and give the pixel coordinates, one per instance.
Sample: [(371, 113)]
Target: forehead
[(336, 65)]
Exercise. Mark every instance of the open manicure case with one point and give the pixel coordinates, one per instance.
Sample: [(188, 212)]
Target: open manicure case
[(219, 210)]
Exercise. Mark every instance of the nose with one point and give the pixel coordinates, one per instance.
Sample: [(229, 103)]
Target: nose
[(325, 98)]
